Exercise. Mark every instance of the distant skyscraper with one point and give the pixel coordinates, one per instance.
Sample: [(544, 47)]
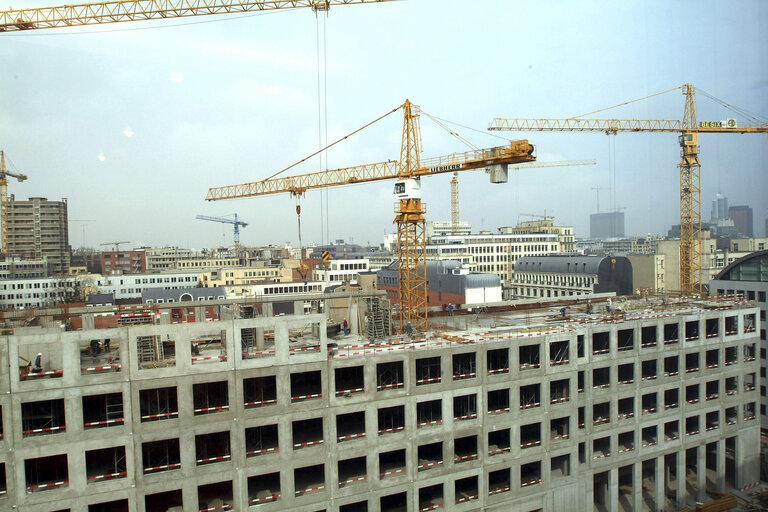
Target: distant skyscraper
[(742, 217), (719, 207), (606, 225)]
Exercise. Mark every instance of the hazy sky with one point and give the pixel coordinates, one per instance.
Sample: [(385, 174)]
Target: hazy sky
[(132, 122)]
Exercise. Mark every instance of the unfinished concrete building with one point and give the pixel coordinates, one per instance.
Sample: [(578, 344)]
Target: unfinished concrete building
[(636, 413)]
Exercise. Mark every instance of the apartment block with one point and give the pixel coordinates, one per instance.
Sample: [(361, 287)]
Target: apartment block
[(165, 258), (38, 229), (643, 412), (129, 262)]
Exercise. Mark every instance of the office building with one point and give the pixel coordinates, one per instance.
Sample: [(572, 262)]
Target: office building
[(742, 218), (606, 225)]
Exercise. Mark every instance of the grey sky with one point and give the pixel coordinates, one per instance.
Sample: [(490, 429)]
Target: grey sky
[(220, 100)]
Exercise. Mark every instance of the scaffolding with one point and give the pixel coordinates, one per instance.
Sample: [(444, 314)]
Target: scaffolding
[(377, 321), (154, 352)]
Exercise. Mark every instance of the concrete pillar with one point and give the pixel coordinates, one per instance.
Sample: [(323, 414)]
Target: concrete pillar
[(352, 318), (738, 457), (701, 473), (266, 308), (88, 322), (720, 465), (613, 490), (637, 486), (680, 495), (259, 338), (199, 313), (660, 482), (298, 307)]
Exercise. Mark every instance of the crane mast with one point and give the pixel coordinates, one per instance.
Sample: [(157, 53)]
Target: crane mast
[(4, 217), (411, 235), (689, 167), (409, 209)]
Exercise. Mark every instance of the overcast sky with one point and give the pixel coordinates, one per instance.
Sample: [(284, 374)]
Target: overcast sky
[(133, 122)]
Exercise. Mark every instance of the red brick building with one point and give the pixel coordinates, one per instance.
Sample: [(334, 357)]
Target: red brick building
[(129, 262)]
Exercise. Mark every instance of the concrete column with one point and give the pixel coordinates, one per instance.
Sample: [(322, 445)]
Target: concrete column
[(613, 490), (680, 495), (701, 473), (738, 457), (266, 308), (298, 307), (199, 313), (659, 482), (720, 465), (352, 317), (259, 338), (88, 322), (637, 486)]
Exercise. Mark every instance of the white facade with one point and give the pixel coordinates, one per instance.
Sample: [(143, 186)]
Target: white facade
[(341, 271), (493, 254), (34, 293), (483, 295), (130, 286)]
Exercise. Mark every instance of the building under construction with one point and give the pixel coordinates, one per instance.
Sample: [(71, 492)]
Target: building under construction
[(648, 409)]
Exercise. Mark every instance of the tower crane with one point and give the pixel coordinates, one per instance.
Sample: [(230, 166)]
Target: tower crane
[(236, 222), (4, 243), (689, 167), (409, 209), (14, 20)]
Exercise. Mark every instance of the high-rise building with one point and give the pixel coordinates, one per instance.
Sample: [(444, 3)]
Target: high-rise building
[(742, 217), (606, 225), (719, 207), (38, 229)]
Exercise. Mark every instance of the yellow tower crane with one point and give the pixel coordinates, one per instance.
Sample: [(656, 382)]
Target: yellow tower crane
[(74, 15), (4, 243), (689, 167), (409, 209)]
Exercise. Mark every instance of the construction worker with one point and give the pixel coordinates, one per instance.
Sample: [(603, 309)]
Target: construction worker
[(345, 325), (37, 367), (608, 305), (408, 329)]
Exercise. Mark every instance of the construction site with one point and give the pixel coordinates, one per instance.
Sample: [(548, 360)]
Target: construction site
[(372, 398), (651, 407)]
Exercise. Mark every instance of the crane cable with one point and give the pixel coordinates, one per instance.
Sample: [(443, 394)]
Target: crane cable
[(627, 102), (335, 142)]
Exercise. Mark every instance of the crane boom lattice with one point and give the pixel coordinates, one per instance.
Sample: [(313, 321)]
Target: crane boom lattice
[(141, 10), (689, 167), (409, 209)]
